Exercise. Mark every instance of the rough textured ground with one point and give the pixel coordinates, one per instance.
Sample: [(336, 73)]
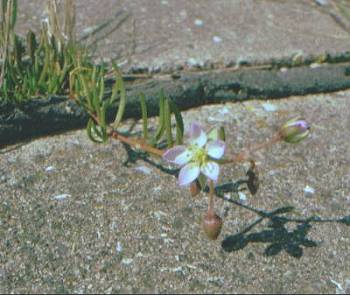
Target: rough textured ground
[(168, 34), (73, 218), (132, 229)]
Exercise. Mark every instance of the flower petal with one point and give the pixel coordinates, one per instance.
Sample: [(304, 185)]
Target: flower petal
[(197, 135), (179, 155), (211, 170), (188, 173), (216, 149)]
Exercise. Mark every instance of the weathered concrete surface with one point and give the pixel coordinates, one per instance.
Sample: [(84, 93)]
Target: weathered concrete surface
[(168, 34), (123, 230)]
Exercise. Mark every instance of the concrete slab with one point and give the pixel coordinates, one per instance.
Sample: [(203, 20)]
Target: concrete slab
[(170, 34), (75, 219)]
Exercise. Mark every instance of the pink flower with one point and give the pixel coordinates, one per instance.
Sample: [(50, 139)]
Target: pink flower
[(198, 157)]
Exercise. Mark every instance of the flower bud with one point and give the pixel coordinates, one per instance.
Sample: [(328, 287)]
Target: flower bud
[(212, 225), (294, 130)]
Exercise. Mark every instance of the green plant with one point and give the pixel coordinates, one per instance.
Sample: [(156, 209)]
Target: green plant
[(38, 66)]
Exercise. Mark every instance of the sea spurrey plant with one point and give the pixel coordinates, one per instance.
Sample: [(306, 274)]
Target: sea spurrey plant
[(198, 155)]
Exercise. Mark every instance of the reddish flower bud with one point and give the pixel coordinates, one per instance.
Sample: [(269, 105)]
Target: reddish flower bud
[(294, 130), (212, 224)]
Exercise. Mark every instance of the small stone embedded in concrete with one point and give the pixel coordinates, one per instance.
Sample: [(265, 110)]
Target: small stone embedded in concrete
[(192, 62), (61, 196), (157, 188), (50, 168), (183, 13), (144, 169), (224, 111), (127, 261), (89, 30), (242, 196), (198, 22), (216, 119), (217, 39), (269, 107), (118, 247), (315, 65), (219, 281), (309, 191), (322, 2), (159, 214)]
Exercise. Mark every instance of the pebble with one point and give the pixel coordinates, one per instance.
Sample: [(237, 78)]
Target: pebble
[(144, 169), (321, 2), (61, 197), (309, 191), (224, 111), (242, 196), (198, 22), (314, 65), (192, 62), (269, 107), (118, 247), (49, 168), (127, 261), (217, 39)]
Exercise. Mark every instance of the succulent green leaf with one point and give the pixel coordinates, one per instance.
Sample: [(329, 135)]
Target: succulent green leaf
[(122, 102), (167, 121), (144, 116), (90, 130), (179, 122), (161, 123)]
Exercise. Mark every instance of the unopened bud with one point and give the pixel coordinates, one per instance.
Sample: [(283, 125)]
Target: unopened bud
[(294, 130), (212, 224)]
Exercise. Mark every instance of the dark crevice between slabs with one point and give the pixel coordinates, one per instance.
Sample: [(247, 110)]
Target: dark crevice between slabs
[(39, 117)]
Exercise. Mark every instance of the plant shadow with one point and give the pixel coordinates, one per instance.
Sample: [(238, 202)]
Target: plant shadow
[(276, 234), (278, 237)]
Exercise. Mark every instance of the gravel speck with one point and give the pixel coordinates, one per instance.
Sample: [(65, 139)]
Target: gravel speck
[(61, 196), (309, 191), (198, 22), (127, 261), (269, 107), (217, 39)]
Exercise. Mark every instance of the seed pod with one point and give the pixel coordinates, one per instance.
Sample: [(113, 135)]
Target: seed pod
[(212, 224)]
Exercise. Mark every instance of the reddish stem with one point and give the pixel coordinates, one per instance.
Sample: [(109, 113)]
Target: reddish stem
[(211, 197), (246, 154)]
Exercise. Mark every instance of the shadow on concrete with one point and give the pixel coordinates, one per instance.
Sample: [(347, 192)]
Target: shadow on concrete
[(276, 235)]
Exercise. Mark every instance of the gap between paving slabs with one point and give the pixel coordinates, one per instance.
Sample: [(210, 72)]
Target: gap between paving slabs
[(39, 117)]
